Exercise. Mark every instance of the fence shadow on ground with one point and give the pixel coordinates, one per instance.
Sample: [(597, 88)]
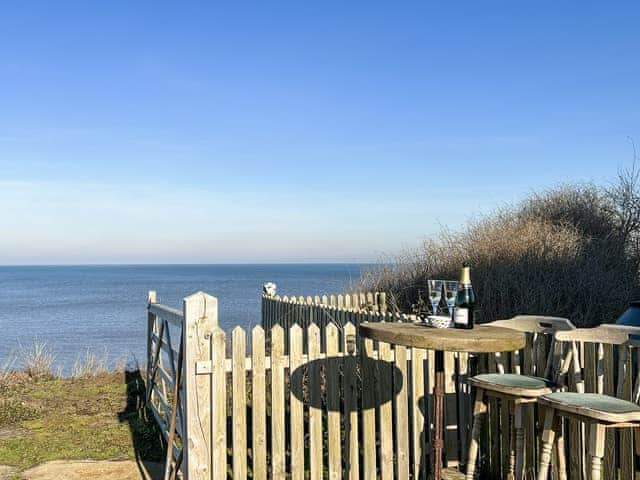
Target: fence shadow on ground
[(146, 438)]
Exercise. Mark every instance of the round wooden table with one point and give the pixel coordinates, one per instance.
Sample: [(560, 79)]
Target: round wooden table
[(480, 339)]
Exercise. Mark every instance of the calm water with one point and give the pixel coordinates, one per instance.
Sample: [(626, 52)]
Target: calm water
[(104, 307)]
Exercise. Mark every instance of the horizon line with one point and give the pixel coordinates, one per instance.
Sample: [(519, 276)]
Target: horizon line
[(179, 264)]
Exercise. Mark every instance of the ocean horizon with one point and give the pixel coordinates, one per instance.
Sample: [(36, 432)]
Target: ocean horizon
[(101, 308)]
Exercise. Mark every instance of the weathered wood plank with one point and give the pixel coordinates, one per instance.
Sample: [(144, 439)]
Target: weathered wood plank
[(589, 377), (219, 399), (368, 411), (259, 405), (385, 385), (151, 326), (351, 456), (494, 427), (402, 412), (608, 388), (278, 465), (296, 418), (169, 314), (333, 403), (452, 443), (200, 313), (239, 378), (574, 429), (418, 404), (464, 404), (315, 403), (627, 456), (430, 373)]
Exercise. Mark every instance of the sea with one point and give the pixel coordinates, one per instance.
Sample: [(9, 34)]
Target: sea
[(101, 309)]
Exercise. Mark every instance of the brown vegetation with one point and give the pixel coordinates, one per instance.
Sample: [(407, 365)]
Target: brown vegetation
[(572, 251)]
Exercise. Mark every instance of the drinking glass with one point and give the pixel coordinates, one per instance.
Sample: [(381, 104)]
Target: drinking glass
[(450, 291), (435, 294)]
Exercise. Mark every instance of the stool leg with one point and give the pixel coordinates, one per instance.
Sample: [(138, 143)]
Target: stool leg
[(519, 441), (596, 449), (560, 451), (512, 445), (547, 443), (479, 410)]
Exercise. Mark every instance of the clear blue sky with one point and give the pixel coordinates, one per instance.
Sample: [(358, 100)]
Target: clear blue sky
[(270, 131)]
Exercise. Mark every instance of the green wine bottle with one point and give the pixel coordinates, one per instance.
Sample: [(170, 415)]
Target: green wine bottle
[(465, 301)]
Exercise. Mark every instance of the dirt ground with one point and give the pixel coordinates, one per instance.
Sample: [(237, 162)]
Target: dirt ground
[(81, 470), (6, 472)]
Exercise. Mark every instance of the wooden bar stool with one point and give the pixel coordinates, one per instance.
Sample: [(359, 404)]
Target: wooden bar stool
[(597, 410), (517, 389)]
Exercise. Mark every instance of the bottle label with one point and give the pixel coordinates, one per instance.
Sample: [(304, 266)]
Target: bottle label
[(461, 316), (465, 277)]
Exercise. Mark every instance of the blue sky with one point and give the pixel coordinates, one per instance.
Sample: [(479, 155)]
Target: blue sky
[(136, 132)]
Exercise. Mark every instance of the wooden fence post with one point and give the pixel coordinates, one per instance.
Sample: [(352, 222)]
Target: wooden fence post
[(200, 320), (151, 320)]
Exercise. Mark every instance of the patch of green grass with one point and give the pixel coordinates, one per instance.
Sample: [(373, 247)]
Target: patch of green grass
[(87, 418), (12, 410)]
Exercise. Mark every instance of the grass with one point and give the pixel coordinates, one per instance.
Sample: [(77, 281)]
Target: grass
[(94, 417)]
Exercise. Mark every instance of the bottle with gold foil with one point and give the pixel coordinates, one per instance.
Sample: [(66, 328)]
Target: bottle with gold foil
[(465, 301)]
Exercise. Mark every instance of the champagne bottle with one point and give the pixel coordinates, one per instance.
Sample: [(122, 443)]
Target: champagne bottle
[(465, 301)]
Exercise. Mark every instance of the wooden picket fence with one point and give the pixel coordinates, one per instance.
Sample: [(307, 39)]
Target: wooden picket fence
[(329, 403), (310, 399), (319, 309)]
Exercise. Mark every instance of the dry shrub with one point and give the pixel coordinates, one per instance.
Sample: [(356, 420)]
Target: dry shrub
[(564, 252), (37, 359), (90, 365), (6, 369)]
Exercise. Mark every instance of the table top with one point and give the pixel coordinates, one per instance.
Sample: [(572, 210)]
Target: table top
[(481, 339)]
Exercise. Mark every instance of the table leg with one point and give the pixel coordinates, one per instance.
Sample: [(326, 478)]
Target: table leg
[(438, 413)]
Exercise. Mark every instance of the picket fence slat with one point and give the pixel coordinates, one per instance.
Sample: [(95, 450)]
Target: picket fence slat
[(368, 410), (296, 419), (259, 405), (352, 460), (450, 407), (418, 400), (333, 404), (315, 411), (464, 404), (402, 412), (239, 436), (384, 385), (626, 434), (277, 404), (610, 467)]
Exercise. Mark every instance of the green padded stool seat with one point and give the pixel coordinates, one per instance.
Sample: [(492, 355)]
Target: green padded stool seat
[(513, 384), (594, 405)]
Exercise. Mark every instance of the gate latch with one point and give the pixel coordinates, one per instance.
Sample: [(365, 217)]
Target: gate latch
[(203, 367)]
